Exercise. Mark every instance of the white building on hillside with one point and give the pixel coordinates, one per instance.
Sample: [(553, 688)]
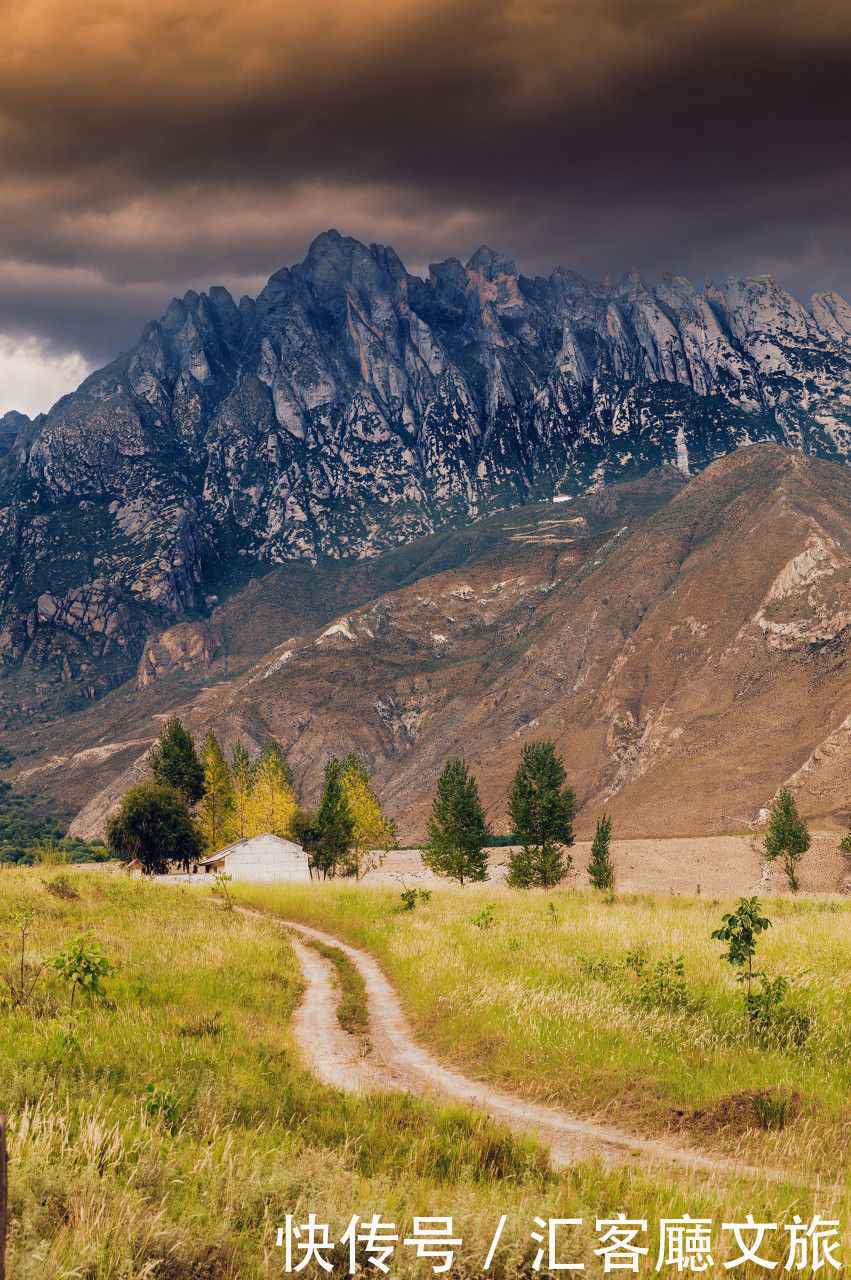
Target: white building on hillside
[(261, 858)]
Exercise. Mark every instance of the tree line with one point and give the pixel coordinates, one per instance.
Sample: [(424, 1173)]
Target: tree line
[(197, 803), (540, 806)]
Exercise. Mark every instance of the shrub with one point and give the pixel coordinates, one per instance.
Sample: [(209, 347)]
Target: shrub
[(485, 919), (162, 1104), (61, 887), (774, 1020), (664, 984), (410, 898)]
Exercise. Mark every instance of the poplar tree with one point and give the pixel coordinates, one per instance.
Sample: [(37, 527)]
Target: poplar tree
[(373, 832), (787, 837), (240, 771), (275, 754), (217, 800), (174, 762), (333, 823), (272, 801), (457, 829), (601, 870), (541, 810)]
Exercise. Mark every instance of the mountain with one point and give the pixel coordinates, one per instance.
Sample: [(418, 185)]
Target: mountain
[(352, 407), (10, 425), (684, 642)]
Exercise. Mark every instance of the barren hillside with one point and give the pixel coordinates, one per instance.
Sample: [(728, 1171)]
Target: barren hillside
[(685, 646)]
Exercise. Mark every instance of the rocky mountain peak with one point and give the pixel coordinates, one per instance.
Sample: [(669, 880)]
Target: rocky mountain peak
[(490, 264), (353, 406), (11, 424)]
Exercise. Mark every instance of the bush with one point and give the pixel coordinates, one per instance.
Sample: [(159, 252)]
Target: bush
[(664, 984), (410, 898), (162, 1104), (61, 887), (774, 1020)]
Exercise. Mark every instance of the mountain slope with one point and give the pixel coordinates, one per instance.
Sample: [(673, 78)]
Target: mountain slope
[(352, 407), (684, 644)]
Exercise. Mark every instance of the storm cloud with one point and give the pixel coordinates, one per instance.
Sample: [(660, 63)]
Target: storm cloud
[(148, 149)]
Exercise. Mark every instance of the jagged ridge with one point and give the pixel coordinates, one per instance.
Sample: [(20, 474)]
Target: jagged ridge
[(352, 406)]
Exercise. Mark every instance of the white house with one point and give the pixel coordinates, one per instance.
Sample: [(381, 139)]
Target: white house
[(260, 858)]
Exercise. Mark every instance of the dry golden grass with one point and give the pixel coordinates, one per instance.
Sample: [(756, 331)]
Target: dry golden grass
[(556, 999), (113, 1181)]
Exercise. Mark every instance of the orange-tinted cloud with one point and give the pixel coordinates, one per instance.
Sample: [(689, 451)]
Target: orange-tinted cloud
[(149, 147)]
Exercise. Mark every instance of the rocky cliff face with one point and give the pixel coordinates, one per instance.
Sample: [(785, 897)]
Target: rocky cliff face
[(10, 424), (352, 406), (685, 644)]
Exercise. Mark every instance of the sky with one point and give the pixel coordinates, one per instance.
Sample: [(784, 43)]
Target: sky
[(150, 146)]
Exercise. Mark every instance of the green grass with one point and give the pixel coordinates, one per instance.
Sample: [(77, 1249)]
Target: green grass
[(557, 1000), (352, 1011), (171, 1136), (178, 1125)]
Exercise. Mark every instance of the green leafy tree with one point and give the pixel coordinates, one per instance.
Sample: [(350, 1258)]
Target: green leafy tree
[(174, 762), (787, 837), (83, 964), (335, 825), (541, 809), (153, 824), (217, 800), (740, 930), (601, 869), (457, 830), (304, 829)]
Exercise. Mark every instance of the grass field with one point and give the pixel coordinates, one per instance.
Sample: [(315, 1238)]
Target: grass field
[(170, 1130), (567, 997)]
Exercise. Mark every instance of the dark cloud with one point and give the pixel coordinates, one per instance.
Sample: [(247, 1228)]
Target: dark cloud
[(149, 149)]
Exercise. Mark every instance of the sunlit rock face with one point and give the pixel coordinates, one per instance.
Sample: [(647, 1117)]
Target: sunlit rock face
[(352, 406)]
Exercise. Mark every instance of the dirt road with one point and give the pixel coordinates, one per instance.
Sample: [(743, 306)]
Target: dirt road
[(398, 1062)]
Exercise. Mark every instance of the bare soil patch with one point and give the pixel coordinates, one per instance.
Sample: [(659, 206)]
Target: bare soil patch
[(712, 866)]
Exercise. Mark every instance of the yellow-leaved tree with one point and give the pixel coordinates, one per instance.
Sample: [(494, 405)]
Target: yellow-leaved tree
[(236, 827), (217, 801), (374, 833), (272, 800)]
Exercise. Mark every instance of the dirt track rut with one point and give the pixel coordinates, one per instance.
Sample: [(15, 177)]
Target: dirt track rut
[(398, 1062)]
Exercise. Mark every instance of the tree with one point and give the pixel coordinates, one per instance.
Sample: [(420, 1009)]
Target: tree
[(601, 870), (373, 833), (174, 762), (305, 830), (740, 929), (457, 830), (541, 810), (787, 837), (83, 964), (275, 754), (217, 800), (334, 822), (153, 824), (272, 800), (240, 772)]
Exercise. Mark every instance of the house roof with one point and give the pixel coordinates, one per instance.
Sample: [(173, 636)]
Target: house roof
[(238, 845)]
